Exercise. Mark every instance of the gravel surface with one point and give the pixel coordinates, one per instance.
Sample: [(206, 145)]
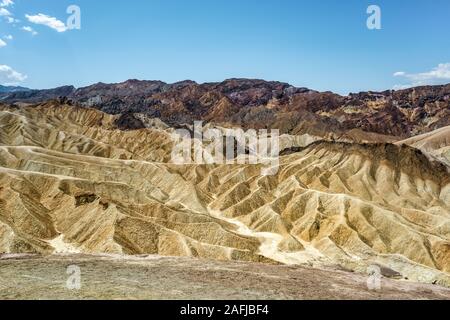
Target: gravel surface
[(155, 277)]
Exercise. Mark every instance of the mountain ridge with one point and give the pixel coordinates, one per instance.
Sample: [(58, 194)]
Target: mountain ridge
[(260, 104), (9, 89)]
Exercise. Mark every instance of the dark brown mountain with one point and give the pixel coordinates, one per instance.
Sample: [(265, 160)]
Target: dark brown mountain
[(364, 116)]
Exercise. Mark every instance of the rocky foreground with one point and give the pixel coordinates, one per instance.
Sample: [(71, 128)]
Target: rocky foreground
[(156, 277)]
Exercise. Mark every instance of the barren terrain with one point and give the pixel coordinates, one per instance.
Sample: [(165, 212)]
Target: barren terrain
[(73, 182), (156, 277)]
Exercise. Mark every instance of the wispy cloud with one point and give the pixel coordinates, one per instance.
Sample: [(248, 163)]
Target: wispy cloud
[(399, 74), (9, 76), (29, 29), (2, 43), (5, 12), (48, 21), (8, 37), (438, 75), (12, 20), (6, 3)]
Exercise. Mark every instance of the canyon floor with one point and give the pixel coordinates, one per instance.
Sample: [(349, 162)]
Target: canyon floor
[(155, 277)]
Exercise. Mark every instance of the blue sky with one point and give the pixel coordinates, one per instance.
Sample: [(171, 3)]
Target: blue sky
[(323, 45)]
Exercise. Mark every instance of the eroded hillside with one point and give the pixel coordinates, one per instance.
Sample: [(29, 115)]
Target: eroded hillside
[(72, 181)]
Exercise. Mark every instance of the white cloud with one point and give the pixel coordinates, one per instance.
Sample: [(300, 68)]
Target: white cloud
[(6, 3), (2, 43), (11, 20), (402, 86), (30, 29), (48, 21), (438, 75), (7, 15), (9, 76), (4, 12), (399, 74), (8, 37)]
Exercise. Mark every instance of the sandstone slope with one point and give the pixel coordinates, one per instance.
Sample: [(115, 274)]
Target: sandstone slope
[(435, 143), (71, 181)]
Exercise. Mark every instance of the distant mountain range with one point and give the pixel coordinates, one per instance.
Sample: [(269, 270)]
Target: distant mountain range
[(7, 89), (364, 116)]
